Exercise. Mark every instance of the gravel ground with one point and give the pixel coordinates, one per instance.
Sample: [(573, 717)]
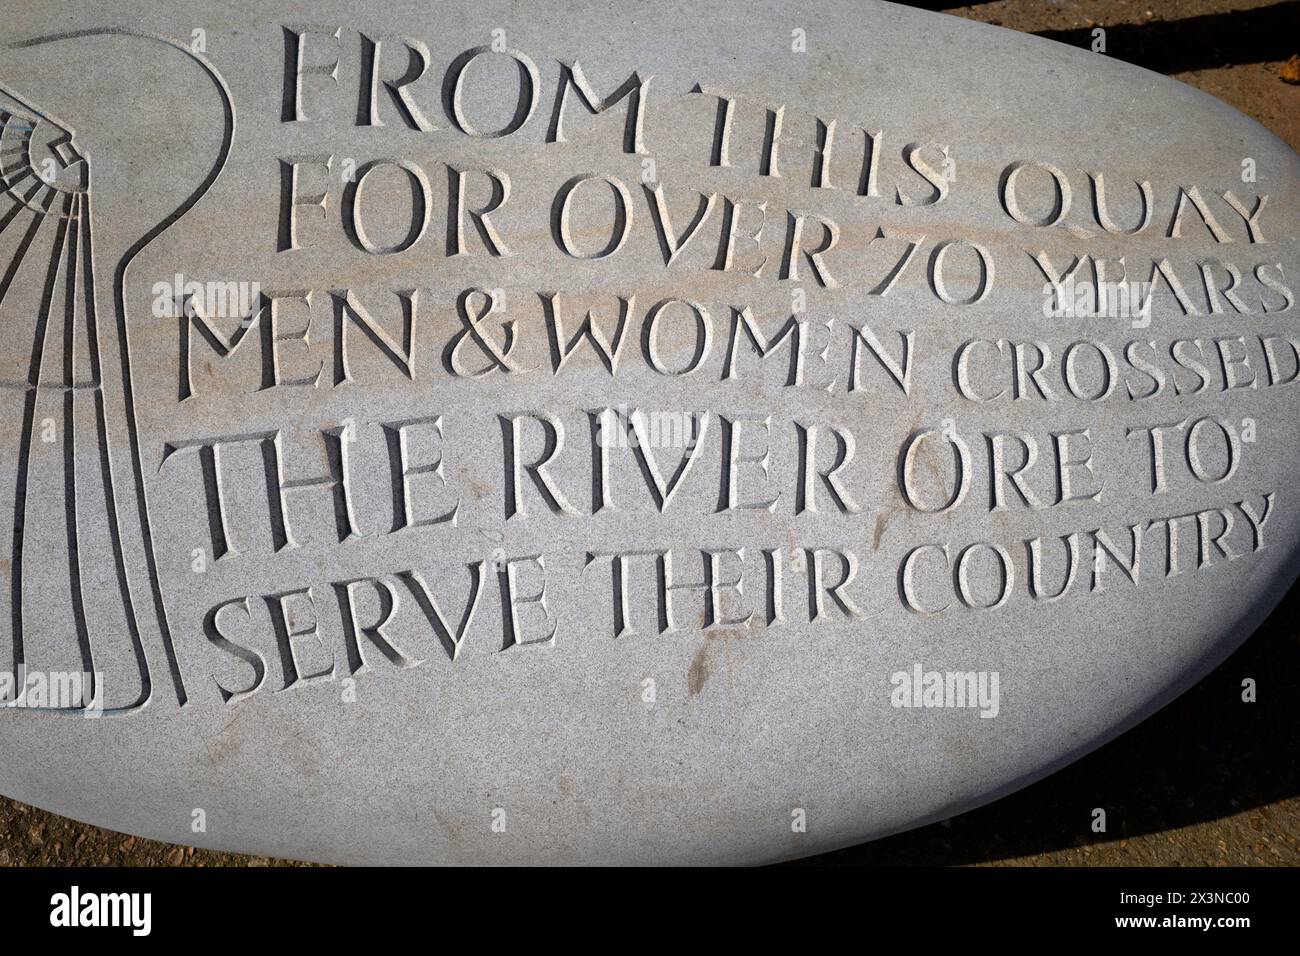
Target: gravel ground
[(1210, 780)]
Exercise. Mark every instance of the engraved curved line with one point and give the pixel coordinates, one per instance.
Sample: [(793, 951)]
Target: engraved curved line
[(106, 470), (119, 280), (25, 437)]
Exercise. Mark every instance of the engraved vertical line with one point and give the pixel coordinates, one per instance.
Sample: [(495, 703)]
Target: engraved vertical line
[(70, 453), (128, 390), (106, 466), (25, 435)]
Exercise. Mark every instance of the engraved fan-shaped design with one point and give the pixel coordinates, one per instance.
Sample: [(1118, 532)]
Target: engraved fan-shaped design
[(79, 591), (47, 302), (63, 171)]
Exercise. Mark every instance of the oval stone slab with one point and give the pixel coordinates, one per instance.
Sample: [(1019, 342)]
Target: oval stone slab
[(440, 433)]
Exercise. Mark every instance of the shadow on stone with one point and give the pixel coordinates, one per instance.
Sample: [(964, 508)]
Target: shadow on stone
[(1262, 35)]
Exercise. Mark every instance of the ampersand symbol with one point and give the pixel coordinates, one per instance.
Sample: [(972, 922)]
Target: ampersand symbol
[(498, 358)]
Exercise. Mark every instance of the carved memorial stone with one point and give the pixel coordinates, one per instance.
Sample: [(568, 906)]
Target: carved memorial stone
[(620, 432)]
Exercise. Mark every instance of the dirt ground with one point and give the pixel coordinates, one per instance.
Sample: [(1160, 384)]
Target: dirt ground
[(1210, 780), (1232, 49)]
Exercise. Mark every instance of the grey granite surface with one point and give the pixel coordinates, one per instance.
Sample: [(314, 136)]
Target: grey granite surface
[(630, 433)]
